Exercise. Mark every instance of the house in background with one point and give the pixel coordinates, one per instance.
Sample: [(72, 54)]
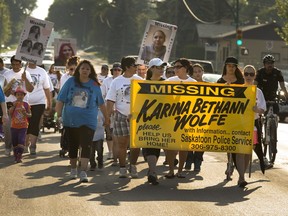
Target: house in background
[(258, 40)]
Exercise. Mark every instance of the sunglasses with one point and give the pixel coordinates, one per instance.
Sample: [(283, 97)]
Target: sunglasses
[(170, 72), (134, 65), (249, 74), (71, 69), (178, 66), (116, 69)]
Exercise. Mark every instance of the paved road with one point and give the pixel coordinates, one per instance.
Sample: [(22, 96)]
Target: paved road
[(41, 186)]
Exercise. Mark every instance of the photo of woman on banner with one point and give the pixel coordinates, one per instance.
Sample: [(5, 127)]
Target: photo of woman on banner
[(26, 46), (34, 33), (157, 49), (37, 49), (65, 52)]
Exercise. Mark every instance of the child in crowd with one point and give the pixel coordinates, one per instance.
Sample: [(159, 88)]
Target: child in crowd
[(97, 144), (19, 112)]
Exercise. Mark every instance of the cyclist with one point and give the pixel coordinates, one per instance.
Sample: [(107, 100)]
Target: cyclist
[(267, 80)]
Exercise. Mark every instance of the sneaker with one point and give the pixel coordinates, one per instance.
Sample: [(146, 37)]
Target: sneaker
[(73, 174), (123, 172), (32, 150), (83, 176), (8, 152), (133, 171)]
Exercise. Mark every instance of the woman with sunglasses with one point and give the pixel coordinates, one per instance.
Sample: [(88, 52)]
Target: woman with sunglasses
[(154, 73), (231, 75), (242, 160), (182, 67)]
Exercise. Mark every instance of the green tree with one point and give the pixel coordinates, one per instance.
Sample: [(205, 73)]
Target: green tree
[(282, 8), (5, 25), (18, 11)]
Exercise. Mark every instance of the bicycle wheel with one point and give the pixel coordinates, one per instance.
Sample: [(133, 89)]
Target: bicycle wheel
[(273, 141)]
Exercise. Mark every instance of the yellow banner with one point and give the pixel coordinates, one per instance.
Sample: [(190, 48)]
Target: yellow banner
[(192, 116)]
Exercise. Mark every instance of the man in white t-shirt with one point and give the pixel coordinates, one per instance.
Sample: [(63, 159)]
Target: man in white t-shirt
[(14, 77), (37, 100), (119, 95)]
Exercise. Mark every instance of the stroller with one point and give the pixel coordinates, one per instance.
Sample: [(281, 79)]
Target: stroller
[(49, 122)]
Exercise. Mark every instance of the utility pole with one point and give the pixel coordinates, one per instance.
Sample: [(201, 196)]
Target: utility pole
[(237, 27)]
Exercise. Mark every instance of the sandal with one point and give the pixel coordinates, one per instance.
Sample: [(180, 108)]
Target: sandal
[(169, 175), (180, 175)]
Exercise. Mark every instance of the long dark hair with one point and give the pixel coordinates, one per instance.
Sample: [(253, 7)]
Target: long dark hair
[(92, 75), (238, 73)]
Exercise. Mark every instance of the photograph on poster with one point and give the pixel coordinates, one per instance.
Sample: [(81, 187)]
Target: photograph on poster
[(157, 41), (37, 49), (63, 50), (33, 40), (34, 33), (26, 46)]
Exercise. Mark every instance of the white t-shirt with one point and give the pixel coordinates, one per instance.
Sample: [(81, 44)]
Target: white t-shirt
[(119, 92), (176, 78), (64, 78), (106, 86), (260, 101), (40, 81), (101, 77), (9, 75)]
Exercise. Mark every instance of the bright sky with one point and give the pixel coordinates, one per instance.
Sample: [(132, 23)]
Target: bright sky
[(41, 12)]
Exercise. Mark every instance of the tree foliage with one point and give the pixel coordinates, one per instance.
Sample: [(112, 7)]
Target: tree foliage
[(5, 25), (12, 15), (282, 8)]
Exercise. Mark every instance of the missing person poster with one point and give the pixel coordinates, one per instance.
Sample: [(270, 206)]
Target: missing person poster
[(192, 116), (157, 42), (64, 48), (33, 40)]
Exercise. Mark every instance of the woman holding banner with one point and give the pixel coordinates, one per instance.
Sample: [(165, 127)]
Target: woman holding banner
[(231, 75), (156, 71), (195, 157), (242, 160), (182, 67)]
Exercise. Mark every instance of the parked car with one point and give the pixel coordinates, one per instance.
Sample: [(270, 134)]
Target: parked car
[(211, 77), (207, 65)]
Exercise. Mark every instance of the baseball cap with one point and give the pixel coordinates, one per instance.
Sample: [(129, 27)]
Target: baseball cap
[(231, 60), (116, 65), (156, 62)]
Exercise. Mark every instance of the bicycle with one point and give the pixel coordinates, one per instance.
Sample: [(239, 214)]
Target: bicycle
[(270, 130)]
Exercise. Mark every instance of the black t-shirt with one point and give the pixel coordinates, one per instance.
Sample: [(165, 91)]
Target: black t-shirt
[(238, 81), (268, 83)]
